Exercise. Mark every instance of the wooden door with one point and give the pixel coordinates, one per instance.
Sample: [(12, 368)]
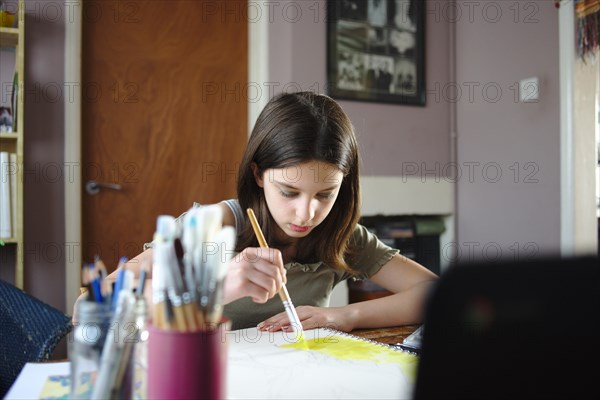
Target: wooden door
[(163, 113)]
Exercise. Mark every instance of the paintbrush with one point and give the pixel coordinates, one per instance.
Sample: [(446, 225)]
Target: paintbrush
[(162, 282), (283, 292), (187, 294), (225, 240)]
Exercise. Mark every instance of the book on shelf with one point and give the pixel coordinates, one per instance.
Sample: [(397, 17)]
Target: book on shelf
[(397, 229), (14, 99), (12, 158), (5, 199)]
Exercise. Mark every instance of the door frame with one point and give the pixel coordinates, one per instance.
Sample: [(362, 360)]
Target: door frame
[(258, 71), (566, 38), (578, 235), (72, 155)]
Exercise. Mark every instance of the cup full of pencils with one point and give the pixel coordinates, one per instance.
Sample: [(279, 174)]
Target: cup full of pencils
[(187, 350)]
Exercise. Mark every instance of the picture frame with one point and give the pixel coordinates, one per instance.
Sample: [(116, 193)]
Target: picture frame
[(376, 51)]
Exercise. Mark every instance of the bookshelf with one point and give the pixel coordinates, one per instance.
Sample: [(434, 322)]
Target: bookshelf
[(12, 50), (417, 238)]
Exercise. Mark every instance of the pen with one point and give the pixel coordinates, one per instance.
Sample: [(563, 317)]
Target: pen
[(96, 285), (101, 270), (283, 293), (119, 283), (139, 291)]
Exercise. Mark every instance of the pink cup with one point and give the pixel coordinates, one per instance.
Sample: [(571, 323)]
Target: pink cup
[(187, 365)]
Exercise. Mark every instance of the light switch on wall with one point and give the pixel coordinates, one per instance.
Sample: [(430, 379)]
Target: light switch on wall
[(529, 90)]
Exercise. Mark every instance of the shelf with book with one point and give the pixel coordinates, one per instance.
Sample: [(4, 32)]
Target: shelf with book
[(9, 135), (9, 37), (416, 236), (12, 50)]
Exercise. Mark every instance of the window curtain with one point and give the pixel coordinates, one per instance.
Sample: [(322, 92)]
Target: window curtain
[(587, 13)]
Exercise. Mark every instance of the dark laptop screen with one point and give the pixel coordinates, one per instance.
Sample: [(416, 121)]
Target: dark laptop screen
[(506, 330)]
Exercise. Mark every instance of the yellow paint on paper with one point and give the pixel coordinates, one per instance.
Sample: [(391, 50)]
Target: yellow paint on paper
[(301, 341), (351, 349)]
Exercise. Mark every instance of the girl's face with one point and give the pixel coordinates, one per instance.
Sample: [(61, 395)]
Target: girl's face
[(300, 197)]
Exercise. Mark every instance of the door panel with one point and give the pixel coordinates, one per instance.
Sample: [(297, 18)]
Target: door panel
[(163, 114)]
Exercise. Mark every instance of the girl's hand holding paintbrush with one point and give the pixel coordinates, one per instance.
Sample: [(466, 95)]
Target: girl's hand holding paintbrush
[(293, 318), (255, 272)]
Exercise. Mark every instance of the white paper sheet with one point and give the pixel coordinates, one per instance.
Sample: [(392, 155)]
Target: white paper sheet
[(32, 378)]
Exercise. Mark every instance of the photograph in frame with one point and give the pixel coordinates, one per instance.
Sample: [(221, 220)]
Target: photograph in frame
[(375, 51)]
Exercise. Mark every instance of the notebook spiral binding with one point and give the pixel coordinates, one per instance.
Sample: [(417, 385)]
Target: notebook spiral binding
[(398, 347)]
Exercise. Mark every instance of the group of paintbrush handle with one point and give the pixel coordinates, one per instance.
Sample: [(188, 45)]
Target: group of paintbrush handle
[(189, 269), (184, 314)]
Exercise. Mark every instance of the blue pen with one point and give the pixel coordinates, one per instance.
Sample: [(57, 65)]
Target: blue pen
[(119, 282), (96, 287)]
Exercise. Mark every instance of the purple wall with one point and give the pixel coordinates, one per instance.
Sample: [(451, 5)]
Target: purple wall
[(388, 134), (498, 43), (517, 213), (44, 216), (43, 168)]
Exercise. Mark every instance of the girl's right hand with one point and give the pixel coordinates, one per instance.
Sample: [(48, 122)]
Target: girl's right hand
[(255, 272)]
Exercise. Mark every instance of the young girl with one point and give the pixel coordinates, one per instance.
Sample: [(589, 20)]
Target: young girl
[(300, 175)]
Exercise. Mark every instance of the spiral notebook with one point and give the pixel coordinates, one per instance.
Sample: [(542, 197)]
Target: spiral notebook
[(333, 364)]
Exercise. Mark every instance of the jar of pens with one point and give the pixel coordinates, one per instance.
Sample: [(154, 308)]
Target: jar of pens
[(107, 351), (187, 350)]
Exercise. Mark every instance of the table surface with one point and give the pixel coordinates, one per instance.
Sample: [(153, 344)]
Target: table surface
[(393, 335)]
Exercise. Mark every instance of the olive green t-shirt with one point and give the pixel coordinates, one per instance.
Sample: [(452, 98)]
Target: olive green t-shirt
[(308, 284)]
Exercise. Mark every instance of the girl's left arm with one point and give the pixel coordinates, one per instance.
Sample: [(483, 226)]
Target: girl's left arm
[(409, 281)]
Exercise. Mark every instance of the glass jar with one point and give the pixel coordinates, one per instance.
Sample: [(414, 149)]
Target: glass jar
[(140, 351), (85, 349)]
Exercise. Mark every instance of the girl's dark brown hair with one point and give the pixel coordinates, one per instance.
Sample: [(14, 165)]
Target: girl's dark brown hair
[(294, 128)]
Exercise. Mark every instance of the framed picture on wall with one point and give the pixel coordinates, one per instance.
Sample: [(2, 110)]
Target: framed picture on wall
[(376, 51)]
